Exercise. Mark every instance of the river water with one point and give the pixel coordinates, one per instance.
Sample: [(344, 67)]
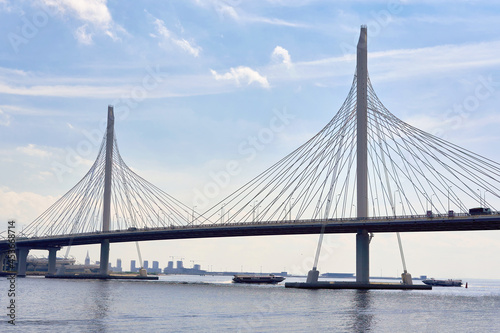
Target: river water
[(213, 304)]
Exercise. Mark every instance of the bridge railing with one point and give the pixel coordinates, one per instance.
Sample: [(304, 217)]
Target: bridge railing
[(256, 223)]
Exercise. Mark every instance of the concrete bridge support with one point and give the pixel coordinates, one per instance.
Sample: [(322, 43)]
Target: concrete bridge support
[(4, 263), (362, 256), (103, 268), (22, 256), (52, 260)]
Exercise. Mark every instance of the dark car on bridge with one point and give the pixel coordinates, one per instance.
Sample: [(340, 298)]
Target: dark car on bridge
[(480, 211)]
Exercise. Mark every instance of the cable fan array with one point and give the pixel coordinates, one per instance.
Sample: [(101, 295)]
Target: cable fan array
[(410, 173), (135, 203)]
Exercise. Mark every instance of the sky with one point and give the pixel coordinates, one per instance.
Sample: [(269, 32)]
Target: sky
[(191, 81)]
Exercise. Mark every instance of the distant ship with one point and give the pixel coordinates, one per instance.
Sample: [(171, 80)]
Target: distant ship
[(271, 278), (337, 275), (443, 283)]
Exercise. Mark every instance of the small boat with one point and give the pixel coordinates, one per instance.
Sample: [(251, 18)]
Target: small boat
[(271, 278), (443, 283)]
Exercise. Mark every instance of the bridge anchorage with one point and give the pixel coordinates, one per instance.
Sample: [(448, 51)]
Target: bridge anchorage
[(365, 172)]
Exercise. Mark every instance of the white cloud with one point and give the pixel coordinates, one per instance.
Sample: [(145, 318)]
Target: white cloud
[(242, 73), (275, 21), (280, 54), (64, 90), (35, 84), (391, 65), (224, 9), (32, 150), (4, 118), (400, 64), (29, 111), (186, 46), (22, 207), (221, 7), (93, 12), (168, 37), (4, 5), (83, 36)]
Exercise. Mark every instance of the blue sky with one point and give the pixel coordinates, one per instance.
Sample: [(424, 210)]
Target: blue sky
[(191, 81)]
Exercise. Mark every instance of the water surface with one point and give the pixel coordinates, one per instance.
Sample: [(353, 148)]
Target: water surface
[(212, 303)]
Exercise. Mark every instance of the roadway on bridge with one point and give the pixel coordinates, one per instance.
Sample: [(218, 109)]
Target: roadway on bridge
[(375, 225)]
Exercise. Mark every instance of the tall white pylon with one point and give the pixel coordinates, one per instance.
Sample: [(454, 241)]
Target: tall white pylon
[(362, 236), (108, 172)]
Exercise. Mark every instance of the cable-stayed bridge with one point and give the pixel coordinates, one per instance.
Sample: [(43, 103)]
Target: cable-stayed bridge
[(365, 172)]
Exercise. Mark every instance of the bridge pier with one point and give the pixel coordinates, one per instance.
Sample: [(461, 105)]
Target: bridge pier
[(52, 260), (103, 268), (362, 256), (4, 262), (22, 256)]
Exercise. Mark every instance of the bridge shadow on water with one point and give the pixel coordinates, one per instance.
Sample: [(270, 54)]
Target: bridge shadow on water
[(362, 316)]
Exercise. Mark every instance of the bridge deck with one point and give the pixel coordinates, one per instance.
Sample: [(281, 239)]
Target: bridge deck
[(301, 227)]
